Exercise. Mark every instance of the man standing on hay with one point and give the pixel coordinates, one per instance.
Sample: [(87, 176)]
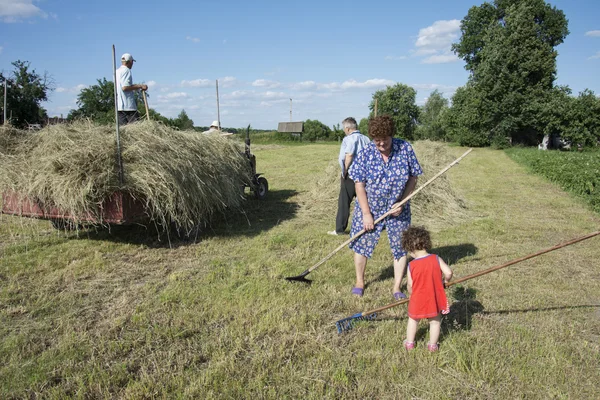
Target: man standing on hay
[(352, 144), (126, 102), (215, 129)]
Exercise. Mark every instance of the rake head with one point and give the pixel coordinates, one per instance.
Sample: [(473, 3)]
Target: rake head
[(346, 324), (300, 278)]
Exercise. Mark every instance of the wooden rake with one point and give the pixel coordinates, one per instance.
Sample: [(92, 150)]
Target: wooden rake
[(396, 206), (346, 324)]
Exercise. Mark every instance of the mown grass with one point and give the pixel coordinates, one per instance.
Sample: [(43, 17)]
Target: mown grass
[(122, 315), (578, 173)]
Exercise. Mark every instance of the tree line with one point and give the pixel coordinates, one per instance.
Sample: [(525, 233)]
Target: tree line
[(510, 97)]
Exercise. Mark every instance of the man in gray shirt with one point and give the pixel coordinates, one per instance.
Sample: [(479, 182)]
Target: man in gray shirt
[(352, 144)]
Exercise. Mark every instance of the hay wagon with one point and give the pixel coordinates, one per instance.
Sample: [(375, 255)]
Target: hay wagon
[(118, 209)]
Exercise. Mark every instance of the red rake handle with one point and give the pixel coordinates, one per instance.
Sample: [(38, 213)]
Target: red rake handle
[(395, 207), (487, 271)]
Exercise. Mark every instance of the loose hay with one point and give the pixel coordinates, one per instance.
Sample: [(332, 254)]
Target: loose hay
[(437, 206), (181, 177)]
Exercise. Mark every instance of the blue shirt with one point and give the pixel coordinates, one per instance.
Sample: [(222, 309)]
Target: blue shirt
[(352, 144), (385, 182)]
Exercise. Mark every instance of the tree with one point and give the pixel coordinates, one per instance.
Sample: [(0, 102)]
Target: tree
[(508, 47), (315, 130), (363, 126), (430, 118), (337, 133), (96, 102), (398, 102), (26, 91), (585, 120), (183, 122), (551, 26)]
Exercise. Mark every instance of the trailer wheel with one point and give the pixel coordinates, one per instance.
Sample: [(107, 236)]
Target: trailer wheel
[(262, 187)]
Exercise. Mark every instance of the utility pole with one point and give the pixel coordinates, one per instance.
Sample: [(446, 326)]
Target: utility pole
[(4, 101), (290, 110), (218, 112)]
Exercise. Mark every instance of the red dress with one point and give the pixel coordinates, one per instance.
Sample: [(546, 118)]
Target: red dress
[(428, 297)]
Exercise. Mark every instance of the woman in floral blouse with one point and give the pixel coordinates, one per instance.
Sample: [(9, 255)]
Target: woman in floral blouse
[(384, 172)]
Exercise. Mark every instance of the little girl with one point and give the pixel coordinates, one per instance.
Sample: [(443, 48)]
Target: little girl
[(425, 284)]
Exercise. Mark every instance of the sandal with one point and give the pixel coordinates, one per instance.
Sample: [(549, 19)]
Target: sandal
[(433, 347), (399, 295), (408, 345), (358, 291)]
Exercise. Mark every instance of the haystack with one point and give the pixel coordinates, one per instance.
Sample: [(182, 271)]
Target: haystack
[(180, 177), (438, 206)]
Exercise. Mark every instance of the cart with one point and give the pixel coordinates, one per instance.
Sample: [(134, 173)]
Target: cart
[(117, 209)]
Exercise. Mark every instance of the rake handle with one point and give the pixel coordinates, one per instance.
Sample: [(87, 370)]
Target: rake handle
[(146, 105), (487, 271), (394, 208)]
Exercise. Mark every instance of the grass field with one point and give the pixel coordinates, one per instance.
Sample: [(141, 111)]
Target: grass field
[(122, 315)]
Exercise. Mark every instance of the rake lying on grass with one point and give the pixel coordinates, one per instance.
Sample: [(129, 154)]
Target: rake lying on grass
[(347, 324), (302, 276)]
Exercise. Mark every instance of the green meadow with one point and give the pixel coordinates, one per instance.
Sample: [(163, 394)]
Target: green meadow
[(120, 313)]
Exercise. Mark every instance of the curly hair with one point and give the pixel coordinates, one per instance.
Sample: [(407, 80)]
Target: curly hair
[(416, 238), (381, 127)]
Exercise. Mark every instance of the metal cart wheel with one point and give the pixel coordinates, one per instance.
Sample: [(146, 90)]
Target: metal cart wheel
[(262, 187)]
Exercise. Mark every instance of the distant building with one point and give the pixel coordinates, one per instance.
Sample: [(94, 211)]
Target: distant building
[(56, 120), (295, 128)]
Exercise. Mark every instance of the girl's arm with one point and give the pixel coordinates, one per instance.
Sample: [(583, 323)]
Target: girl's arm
[(445, 270), (408, 281)]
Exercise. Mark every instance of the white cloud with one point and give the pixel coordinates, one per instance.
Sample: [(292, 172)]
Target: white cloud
[(595, 56), (228, 81), (433, 86), (74, 89), (266, 83), (17, 10), (395, 58), (151, 84), (306, 85), (368, 84), (438, 36), (197, 83), (441, 59), (192, 39), (175, 95), (435, 42), (592, 33), (238, 94), (273, 95), (346, 85)]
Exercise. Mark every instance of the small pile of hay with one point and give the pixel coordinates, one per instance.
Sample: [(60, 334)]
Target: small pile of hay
[(436, 206), (180, 177)]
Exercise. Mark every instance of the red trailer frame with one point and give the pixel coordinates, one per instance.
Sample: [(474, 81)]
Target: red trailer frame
[(119, 209)]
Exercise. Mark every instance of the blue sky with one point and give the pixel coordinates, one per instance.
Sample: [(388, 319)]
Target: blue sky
[(327, 56)]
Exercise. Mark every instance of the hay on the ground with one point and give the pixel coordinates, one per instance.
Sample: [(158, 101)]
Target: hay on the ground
[(181, 177), (437, 206)]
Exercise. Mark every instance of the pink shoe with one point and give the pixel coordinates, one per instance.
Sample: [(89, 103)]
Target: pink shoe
[(433, 347), (408, 345)]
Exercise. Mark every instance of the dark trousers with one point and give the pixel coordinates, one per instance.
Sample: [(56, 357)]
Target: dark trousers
[(347, 194), (127, 117)]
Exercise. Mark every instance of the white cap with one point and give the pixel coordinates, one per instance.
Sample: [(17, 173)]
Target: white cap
[(127, 57), (215, 123)]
